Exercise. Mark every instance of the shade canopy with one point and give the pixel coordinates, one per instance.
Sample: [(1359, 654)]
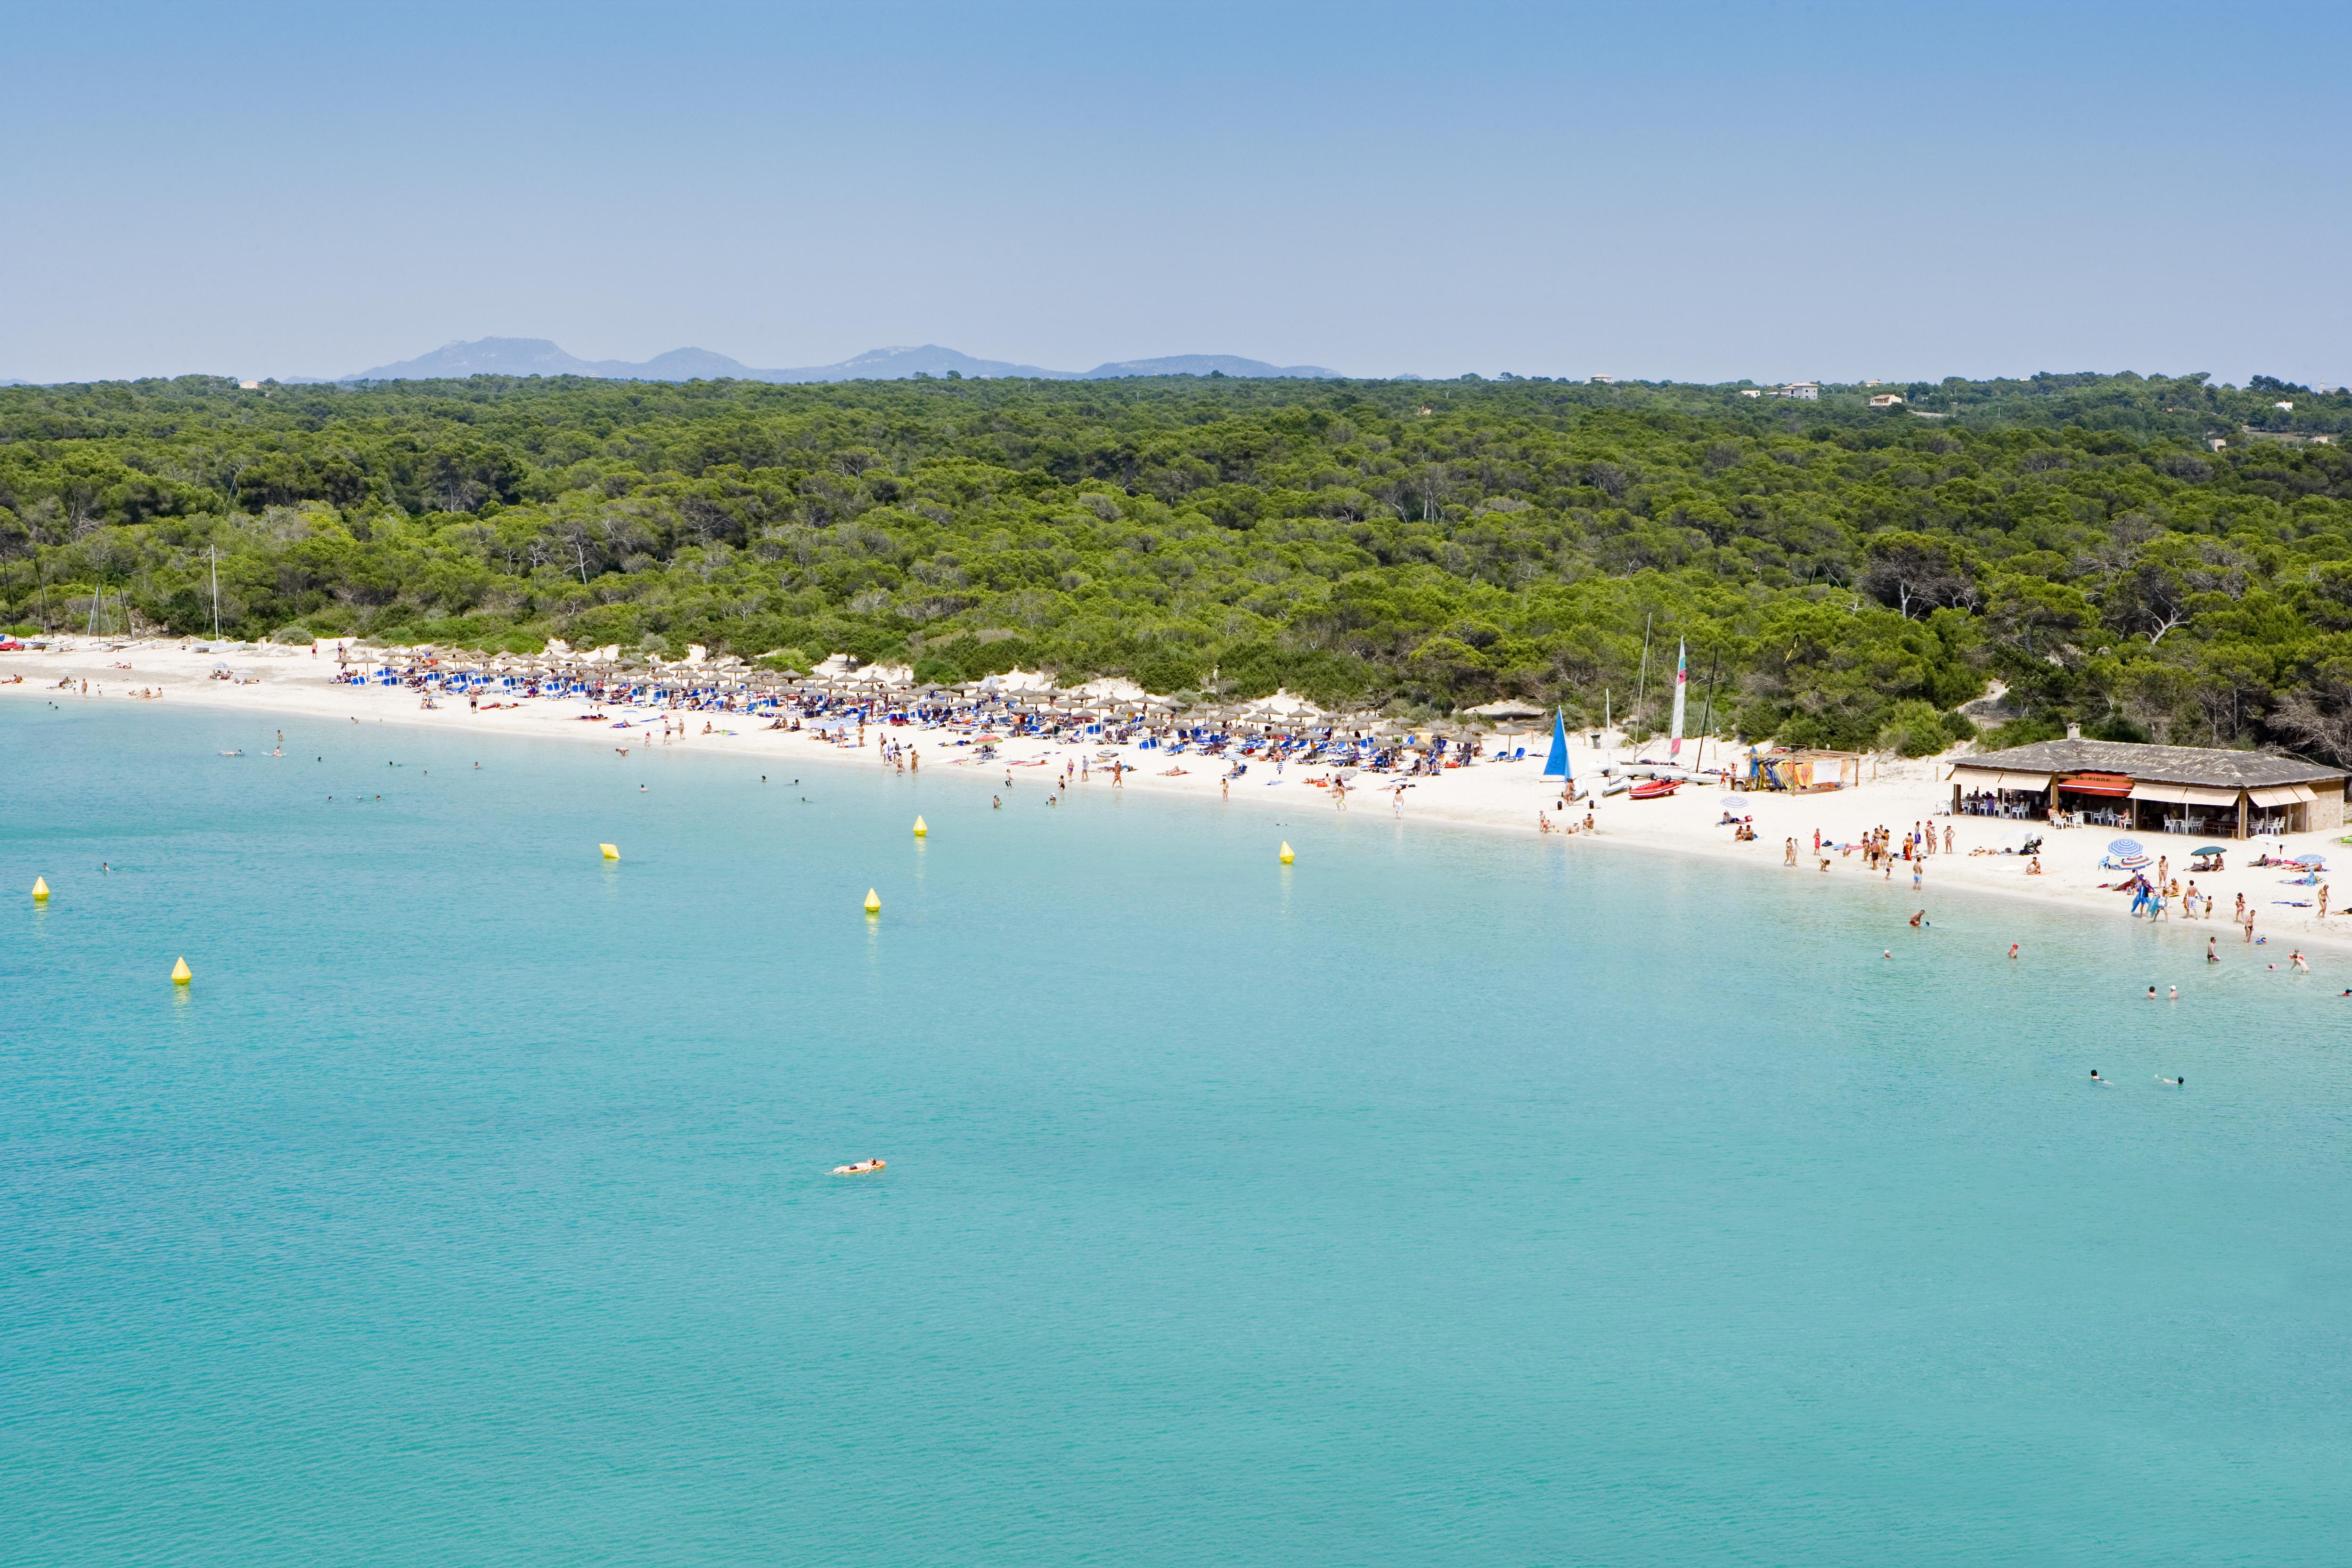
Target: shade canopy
[(2184, 795), (2000, 779), (2123, 847), (2115, 784)]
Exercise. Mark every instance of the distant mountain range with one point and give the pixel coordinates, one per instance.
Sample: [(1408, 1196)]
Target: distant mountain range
[(537, 356)]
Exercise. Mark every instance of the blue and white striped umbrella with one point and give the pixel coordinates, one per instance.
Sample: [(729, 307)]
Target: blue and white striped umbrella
[(2125, 847)]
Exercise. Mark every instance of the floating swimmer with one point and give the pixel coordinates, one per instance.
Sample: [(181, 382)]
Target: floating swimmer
[(2175, 1082), (2095, 1078), (863, 1167)]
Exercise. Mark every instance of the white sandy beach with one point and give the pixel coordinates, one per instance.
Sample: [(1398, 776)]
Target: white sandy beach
[(1500, 797)]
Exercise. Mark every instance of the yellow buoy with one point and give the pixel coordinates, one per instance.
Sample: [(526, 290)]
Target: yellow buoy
[(922, 828), (611, 852), (40, 889), (1287, 855), (180, 974), (873, 902)]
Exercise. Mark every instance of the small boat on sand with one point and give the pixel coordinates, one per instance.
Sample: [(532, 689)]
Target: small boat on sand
[(862, 1168), (1654, 789)]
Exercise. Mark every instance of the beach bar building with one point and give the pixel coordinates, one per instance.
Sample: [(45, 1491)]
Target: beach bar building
[(2210, 794)]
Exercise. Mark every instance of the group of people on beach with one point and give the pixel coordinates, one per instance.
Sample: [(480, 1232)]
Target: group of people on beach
[(1880, 850)]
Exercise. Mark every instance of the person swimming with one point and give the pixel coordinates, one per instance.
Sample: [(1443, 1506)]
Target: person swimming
[(2175, 1082), (2095, 1078), (2151, 993)]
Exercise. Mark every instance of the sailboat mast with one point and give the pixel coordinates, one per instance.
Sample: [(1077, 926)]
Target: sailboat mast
[(1641, 684), (1707, 718), (1682, 685)]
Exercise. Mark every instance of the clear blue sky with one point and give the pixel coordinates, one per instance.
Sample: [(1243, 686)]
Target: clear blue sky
[(1694, 191)]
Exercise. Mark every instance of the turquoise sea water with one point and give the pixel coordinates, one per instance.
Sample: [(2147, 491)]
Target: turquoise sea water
[(1444, 1197)]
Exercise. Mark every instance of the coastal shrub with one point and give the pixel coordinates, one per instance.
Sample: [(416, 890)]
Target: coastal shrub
[(995, 658), (1168, 670), (604, 625), (2023, 732), (939, 669), (1916, 729), (2117, 727), (299, 636)]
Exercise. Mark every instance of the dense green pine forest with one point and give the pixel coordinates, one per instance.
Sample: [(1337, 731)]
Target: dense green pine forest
[(1856, 573)]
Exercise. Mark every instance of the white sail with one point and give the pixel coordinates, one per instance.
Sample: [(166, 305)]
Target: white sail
[(1682, 687)]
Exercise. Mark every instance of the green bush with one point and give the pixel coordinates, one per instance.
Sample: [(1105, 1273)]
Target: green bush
[(939, 669), (2116, 726), (1914, 729), (1168, 670), (2023, 732)]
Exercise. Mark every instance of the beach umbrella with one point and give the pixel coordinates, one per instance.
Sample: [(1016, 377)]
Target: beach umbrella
[(2123, 847), (2209, 850), (2135, 862), (2313, 861)]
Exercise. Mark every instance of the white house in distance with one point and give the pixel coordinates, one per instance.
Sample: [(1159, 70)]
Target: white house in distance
[(1887, 400)]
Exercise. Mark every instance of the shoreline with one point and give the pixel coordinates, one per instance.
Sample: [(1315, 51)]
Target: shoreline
[(1495, 797)]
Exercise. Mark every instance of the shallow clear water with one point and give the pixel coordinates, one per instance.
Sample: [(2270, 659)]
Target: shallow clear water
[(1442, 1197)]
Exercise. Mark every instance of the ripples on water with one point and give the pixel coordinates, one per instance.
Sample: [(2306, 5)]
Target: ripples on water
[(1443, 1198)]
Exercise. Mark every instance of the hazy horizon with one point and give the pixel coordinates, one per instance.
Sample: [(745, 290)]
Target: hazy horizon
[(1698, 193)]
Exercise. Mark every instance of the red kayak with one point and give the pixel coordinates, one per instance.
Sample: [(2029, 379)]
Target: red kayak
[(1654, 789)]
